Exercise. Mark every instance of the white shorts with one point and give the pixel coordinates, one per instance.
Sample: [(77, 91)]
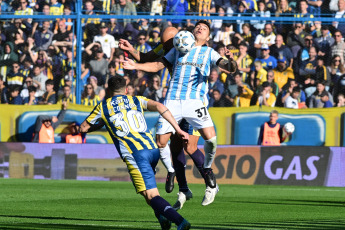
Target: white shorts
[(192, 110)]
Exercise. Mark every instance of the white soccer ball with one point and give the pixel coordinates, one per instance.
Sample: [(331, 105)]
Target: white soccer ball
[(184, 41), (289, 127)]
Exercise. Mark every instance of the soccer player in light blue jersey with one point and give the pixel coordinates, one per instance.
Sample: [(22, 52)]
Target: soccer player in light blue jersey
[(176, 144), (124, 119), (185, 96)]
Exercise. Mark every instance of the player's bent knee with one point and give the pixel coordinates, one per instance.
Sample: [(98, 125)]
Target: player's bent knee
[(149, 194), (190, 148), (192, 144)]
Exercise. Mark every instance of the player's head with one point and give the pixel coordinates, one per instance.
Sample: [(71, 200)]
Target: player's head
[(117, 85), (202, 31), (167, 38)]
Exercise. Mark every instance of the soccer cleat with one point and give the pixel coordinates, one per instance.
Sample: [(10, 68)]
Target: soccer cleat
[(182, 198), (210, 179), (185, 225), (165, 223), (210, 193), (169, 184)]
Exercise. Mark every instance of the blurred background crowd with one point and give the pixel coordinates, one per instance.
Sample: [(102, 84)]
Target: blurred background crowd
[(287, 63)]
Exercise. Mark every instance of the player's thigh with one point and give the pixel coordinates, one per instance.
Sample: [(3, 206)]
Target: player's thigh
[(196, 113), (163, 126), (141, 166)]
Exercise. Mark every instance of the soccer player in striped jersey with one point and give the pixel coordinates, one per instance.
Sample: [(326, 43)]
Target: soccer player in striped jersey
[(124, 119), (176, 145), (185, 96)]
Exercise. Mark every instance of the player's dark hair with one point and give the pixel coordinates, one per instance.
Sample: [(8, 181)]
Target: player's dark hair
[(116, 84), (204, 22)]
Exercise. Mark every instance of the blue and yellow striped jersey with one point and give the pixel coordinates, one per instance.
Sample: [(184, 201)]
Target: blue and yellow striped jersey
[(90, 101), (56, 9), (125, 122)]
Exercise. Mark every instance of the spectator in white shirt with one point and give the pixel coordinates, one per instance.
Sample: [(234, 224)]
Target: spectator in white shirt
[(107, 41), (292, 101)]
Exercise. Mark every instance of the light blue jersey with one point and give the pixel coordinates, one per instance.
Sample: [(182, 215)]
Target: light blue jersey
[(190, 72)]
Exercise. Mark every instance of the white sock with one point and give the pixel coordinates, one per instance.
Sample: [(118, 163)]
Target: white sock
[(166, 158), (210, 148)]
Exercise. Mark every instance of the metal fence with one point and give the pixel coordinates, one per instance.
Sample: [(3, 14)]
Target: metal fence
[(78, 17)]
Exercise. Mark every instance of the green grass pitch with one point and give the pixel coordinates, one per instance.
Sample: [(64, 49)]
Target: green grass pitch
[(67, 204)]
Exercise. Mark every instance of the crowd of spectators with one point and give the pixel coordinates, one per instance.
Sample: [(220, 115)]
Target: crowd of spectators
[(280, 63)]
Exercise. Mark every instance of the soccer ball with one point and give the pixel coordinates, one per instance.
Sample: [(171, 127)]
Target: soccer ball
[(184, 41), (289, 127)]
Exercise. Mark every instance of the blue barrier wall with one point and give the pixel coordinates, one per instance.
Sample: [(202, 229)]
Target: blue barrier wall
[(309, 129)]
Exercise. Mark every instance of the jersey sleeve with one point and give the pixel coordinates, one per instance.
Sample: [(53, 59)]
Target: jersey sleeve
[(143, 101), (215, 57), (171, 56), (95, 115)]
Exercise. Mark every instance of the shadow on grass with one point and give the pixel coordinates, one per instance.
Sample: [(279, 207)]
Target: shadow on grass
[(78, 225), (65, 226), (125, 224), (297, 202), (297, 224)]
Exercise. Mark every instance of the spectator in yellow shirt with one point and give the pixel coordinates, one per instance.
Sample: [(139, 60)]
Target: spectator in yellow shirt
[(282, 73), (266, 97), (261, 73), (244, 96)]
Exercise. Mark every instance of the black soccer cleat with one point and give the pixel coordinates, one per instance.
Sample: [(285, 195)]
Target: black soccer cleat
[(210, 179), (164, 222), (169, 184)]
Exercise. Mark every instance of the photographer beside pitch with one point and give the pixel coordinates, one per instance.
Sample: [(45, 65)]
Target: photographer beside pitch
[(185, 96), (125, 122)]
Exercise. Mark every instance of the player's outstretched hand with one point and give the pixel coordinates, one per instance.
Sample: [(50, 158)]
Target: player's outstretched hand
[(125, 45), (128, 64)]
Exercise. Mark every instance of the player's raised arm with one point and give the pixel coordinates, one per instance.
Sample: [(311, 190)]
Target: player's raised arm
[(151, 67), (229, 65), (138, 56), (166, 114)]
